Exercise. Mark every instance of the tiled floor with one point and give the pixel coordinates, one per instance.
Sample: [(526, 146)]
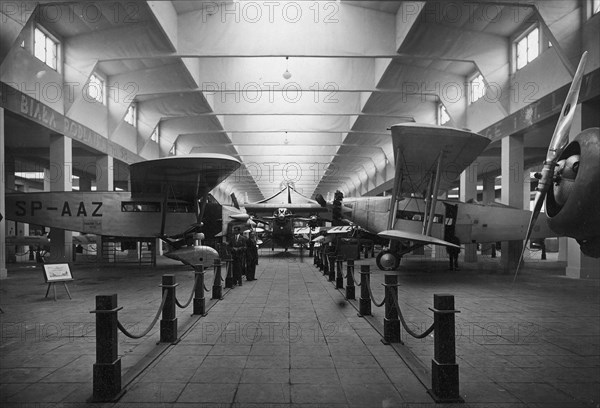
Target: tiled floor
[(291, 339)]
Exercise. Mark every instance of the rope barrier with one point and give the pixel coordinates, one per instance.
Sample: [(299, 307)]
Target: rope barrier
[(409, 331), (133, 336), (353, 278), (205, 288), (189, 300), (371, 295)]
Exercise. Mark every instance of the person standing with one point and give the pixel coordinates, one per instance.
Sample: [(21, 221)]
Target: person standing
[(238, 248), (453, 252), (251, 257)]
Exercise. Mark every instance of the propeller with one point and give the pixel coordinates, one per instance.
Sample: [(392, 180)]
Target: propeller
[(559, 141)]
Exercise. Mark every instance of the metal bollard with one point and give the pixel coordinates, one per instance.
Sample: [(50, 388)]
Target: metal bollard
[(339, 278), (229, 276), (444, 370), (331, 260), (364, 302), (217, 290), (311, 248), (199, 300), (107, 368), (168, 320), (350, 288), (391, 323), (325, 262)]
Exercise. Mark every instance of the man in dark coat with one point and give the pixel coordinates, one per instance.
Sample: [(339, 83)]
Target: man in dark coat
[(251, 257), (238, 247), (453, 252)]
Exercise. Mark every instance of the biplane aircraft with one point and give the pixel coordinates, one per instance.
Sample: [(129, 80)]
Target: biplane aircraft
[(167, 200), (285, 212), (430, 158)]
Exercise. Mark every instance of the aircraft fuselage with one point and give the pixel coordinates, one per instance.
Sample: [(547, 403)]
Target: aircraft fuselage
[(103, 213), (473, 223)]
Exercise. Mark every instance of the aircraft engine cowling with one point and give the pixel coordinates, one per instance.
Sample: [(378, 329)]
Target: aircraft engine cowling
[(572, 201)]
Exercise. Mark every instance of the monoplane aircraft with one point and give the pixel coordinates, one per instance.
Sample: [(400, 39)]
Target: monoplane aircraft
[(167, 200), (285, 212)]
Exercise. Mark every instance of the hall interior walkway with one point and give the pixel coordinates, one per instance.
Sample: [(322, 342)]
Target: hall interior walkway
[(287, 338)]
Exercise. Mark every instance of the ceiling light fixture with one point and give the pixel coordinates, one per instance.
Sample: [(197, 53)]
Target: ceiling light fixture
[(287, 74)]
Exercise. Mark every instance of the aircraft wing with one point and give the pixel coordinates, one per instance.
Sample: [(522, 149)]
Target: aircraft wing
[(26, 240), (418, 146), (416, 237), (294, 208), (183, 177)]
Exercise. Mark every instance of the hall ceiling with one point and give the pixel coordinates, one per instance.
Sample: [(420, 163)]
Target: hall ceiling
[(210, 76)]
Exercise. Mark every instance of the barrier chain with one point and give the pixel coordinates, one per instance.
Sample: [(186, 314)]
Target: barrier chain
[(409, 331), (133, 336), (378, 304), (189, 300)]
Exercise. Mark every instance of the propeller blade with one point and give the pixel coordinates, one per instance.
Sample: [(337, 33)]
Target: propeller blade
[(560, 139), (539, 201)]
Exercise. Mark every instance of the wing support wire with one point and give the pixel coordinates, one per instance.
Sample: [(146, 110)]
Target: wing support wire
[(427, 199), (394, 200), (434, 194)]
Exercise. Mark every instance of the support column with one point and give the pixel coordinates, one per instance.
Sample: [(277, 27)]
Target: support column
[(578, 265), (61, 171), (468, 191), (104, 182), (488, 197), (3, 271), (512, 154), (105, 174), (562, 249), (85, 184)]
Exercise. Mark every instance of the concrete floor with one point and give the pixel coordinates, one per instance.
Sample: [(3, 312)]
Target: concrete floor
[(291, 339)]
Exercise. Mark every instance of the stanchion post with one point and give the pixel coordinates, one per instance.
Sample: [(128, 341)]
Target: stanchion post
[(311, 248), (350, 288), (391, 323), (318, 257), (325, 262), (229, 276), (331, 258), (217, 290), (107, 369), (199, 300), (364, 302), (339, 278), (444, 370), (168, 320)]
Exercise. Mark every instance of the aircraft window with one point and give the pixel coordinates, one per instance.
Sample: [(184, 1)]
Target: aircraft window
[(179, 207), (417, 216), (139, 206)]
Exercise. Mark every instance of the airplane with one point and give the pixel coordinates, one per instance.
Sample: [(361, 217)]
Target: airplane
[(569, 181), (281, 212), (167, 200), (430, 158)]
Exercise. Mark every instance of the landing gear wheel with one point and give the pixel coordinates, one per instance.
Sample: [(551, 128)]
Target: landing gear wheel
[(387, 261)]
